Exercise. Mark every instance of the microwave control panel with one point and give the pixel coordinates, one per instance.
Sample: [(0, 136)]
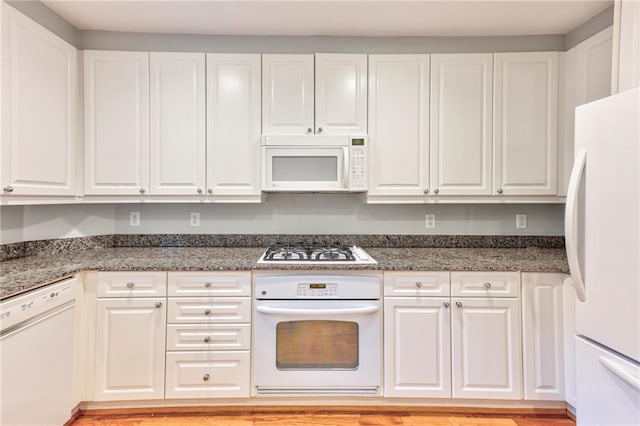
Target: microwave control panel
[(358, 166)]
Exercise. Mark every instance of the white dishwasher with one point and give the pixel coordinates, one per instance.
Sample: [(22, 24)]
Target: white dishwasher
[(36, 356)]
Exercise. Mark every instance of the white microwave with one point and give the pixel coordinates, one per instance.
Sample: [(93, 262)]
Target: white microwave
[(323, 163)]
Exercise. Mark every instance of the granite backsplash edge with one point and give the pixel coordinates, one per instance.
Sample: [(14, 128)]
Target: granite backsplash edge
[(30, 248)]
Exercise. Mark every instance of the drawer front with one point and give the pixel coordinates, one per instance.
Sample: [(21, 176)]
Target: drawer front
[(207, 374), (185, 284), (209, 310), (485, 284), (132, 284), (208, 337), (416, 284)]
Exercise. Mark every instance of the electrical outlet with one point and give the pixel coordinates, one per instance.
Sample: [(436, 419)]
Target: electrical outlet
[(521, 220), (134, 219), (194, 219), (429, 221)]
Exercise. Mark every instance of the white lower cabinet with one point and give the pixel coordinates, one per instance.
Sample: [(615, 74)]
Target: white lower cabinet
[(208, 335)]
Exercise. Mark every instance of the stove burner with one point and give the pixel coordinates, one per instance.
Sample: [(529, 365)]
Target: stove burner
[(311, 252)]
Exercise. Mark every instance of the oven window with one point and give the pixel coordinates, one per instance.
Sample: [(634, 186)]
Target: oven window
[(299, 168), (317, 345)]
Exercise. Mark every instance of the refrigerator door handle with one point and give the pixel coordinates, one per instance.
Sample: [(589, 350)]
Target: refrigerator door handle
[(571, 225), (621, 373)]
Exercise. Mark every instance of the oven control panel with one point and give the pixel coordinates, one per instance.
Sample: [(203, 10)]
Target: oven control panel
[(319, 290)]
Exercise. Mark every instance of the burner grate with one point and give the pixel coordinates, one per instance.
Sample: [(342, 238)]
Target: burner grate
[(315, 252)]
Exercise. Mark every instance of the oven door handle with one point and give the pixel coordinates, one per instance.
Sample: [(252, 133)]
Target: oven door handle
[(316, 312)]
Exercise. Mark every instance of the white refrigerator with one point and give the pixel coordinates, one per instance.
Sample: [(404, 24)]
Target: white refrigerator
[(602, 231)]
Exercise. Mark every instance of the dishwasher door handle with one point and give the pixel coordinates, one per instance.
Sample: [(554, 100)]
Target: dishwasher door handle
[(269, 310)]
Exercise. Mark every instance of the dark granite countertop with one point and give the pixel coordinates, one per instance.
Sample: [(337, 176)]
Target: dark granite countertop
[(27, 273)]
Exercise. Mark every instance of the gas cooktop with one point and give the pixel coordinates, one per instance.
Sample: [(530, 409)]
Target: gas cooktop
[(315, 253)]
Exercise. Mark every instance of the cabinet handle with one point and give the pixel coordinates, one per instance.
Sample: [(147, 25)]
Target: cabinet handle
[(446, 305), (199, 190), (158, 305), (130, 284), (8, 188), (309, 130), (207, 311), (205, 377), (436, 191), (459, 304), (207, 339), (418, 284), (210, 191), (319, 129), (142, 190), (426, 191), (499, 191), (207, 284), (487, 285)]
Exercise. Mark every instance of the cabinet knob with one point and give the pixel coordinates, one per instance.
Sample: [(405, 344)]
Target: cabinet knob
[(8, 188), (319, 129), (446, 305), (487, 285), (207, 339), (158, 305), (207, 311), (499, 191), (199, 190), (309, 130), (426, 191), (459, 304), (142, 190), (418, 284), (436, 191), (207, 284), (205, 377), (130, 284), (210, 191)]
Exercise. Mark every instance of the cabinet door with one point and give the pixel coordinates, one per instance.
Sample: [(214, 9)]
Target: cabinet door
[(233, 123), (287, 94), (399, 124), (525, 123), (177, 117), (130, 348), (629, 52), (417, 347), (461, 118), (39, 98), (341, 94), (542, 336), (486, 352), (116, 122)]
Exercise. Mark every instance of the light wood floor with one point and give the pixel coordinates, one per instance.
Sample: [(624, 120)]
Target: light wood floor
[(321, 419)]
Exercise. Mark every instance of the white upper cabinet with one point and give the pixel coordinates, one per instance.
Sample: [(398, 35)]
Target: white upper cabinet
[(525, 123), (398, 125), (287, 94), (628, 64), (116, 121), (39, 101), (461, 118), (177, 123), (289, 105), (233, 124), (341, 94)]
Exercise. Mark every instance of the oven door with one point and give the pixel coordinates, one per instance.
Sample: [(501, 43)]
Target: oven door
[(317, 168), (317, 346)]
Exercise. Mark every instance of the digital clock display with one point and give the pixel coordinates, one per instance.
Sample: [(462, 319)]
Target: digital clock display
[(317, 285), (357, 142)]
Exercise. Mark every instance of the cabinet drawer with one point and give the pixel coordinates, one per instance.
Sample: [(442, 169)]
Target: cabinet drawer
[(208, 337), (185, 284), (207, 374), (132, 284), (416, 284), (208, 310), (485, 284)]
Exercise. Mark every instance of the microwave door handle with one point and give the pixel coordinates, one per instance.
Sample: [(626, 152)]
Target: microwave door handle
[(345, 168), (317, 312)]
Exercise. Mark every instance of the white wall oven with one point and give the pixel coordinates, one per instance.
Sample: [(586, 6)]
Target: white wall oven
[(323, 163), (317, 334)]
